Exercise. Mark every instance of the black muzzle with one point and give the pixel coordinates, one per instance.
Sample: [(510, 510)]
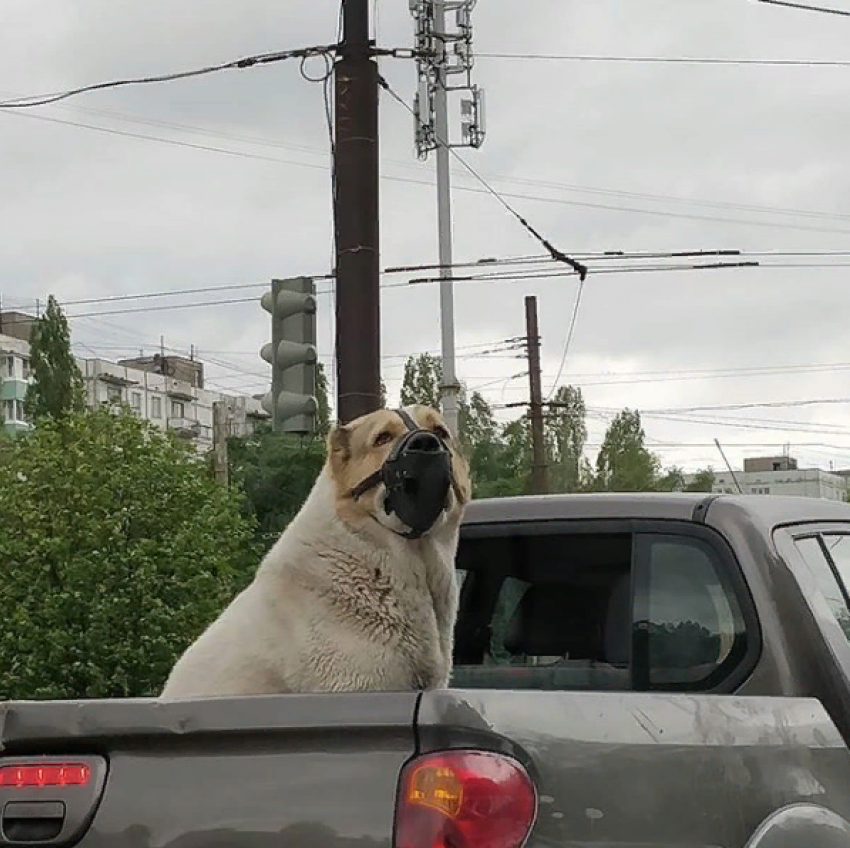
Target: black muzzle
[(417, 476)]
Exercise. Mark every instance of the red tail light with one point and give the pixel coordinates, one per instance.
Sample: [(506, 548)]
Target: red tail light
[(464, 799), (34, 775)]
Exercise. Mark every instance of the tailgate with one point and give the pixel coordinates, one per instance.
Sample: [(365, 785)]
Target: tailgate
[(666, 771), (294, 770)]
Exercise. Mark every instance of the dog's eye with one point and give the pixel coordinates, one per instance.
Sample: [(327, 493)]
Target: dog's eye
[(383, 439), (442, 432)]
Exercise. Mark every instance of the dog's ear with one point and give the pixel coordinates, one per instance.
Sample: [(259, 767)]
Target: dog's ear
[(339, 443)]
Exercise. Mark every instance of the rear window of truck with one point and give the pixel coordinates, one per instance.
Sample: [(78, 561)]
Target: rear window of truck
[(597, 611)]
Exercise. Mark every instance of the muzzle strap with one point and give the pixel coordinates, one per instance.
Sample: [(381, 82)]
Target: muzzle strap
[(407, 419)]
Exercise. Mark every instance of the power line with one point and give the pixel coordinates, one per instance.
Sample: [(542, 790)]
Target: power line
[(570, 332), (556, 254), (806, 7), (497, 177), (247, 62), (513, 195), (676, 60)]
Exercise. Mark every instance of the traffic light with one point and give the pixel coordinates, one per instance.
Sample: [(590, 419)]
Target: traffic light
[(292, 355)]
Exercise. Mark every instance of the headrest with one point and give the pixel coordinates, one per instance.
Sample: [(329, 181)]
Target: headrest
[(553, 620)]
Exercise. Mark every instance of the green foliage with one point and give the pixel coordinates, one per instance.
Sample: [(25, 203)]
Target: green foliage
[(423, 375), (566, 437), (116, 550), (57, 388), (703, 481), (623, 463), (276, 472), (323, 417)]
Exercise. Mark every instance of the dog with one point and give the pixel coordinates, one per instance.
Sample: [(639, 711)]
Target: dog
[(359, 593)]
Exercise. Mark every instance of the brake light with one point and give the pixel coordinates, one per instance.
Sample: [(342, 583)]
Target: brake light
[(34, 775), (464, 799)]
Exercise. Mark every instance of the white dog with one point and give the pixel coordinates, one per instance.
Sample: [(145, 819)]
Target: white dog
[(359, 593)]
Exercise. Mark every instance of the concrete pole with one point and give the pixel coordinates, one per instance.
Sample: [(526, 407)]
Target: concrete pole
[(450, 388)]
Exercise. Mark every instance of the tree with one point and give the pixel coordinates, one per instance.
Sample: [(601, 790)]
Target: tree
[(423, 375), (323, 416), (276, 472), (57, 388), (703, 481), (117, 550), (624, 464), (566, 437)]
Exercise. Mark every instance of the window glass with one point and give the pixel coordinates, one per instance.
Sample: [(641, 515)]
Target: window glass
[(831, 589), (695, 634), (545, 612), (156, 407)]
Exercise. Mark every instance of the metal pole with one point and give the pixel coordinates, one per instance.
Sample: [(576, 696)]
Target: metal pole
[(450, 387), (219, 431), (734, 476), (358, 318), (539, 482)]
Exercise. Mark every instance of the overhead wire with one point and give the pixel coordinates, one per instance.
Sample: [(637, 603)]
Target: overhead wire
[(663, 60), (554, 252), (31, 101), (828, 10)]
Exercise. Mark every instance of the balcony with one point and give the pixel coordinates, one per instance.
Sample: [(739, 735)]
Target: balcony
[(185, 427)]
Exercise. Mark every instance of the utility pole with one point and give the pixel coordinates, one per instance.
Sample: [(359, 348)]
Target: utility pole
[(450, 388), (358, 315), (729, 466), (219, 433), (539, 482)]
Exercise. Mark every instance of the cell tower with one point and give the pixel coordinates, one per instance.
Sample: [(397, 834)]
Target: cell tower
[(444, 63)]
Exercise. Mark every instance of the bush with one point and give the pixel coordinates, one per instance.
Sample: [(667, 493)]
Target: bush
[(116, 550)]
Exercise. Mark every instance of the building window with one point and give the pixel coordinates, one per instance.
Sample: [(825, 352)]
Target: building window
[(156, 407), (9, 366), (26, 366), (178, 410), (113, 394), (9, 410), (19, 411), (136, 399)]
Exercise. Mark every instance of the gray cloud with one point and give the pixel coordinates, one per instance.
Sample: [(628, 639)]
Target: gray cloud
[(91, 213)]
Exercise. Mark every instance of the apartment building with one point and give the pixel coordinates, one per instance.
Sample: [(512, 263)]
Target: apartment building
[(781, 476), (14, 379), (167, 391)]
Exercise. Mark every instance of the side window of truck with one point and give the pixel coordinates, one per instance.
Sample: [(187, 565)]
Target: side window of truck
[(691, 634), (831, 569), (595, 611)]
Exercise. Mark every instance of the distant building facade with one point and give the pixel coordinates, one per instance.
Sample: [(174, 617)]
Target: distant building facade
[(14, 379), (780, 476), (166, 391)]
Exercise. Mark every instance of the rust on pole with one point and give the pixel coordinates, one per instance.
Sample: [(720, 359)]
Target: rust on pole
[(358, 322), (539, 482)]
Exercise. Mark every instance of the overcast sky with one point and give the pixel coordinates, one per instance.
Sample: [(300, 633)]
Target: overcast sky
[(603, 155)]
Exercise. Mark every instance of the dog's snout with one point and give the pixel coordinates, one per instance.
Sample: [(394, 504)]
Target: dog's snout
[(426, 443)]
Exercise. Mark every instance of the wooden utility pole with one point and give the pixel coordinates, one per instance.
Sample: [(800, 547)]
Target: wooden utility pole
[(358, 320), (219, 434), (539, 482)]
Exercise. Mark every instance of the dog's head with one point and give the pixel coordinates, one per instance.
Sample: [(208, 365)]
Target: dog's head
[(358, 453)]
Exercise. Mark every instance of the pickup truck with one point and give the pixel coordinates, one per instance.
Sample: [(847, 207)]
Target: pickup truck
[(631, 671)]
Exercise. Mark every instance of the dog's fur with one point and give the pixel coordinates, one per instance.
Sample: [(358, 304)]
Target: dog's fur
[(341, 602)]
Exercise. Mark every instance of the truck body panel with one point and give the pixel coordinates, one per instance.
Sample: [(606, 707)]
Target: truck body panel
[(296, 770), (662, 770)]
